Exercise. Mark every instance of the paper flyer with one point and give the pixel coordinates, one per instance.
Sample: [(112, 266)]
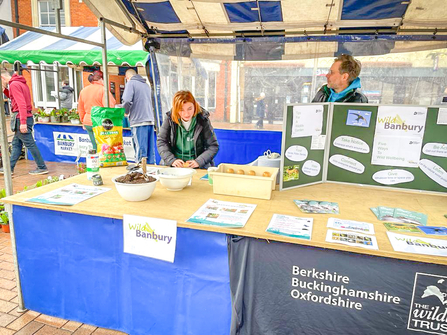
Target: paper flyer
[(352, 239), (430, 230), (418, 245), (401, 227), (223, 214), (291, 226), (398, 136), (361, 227), (69, 195), (317, 207), (307, 120)]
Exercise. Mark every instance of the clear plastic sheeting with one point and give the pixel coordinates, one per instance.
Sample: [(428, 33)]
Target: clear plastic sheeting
[(231, 90)]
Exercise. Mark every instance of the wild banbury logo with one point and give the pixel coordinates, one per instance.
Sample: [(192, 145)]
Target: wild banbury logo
[(396, 123), (420, 243), (145, 231)]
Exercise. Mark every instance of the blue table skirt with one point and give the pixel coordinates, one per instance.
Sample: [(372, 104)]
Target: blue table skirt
[(73, 266)]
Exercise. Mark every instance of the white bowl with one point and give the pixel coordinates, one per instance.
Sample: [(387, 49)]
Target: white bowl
[(135, 192), (175, 179)]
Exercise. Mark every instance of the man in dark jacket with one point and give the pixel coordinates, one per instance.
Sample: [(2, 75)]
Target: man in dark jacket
[(21, 120), (343, 82), (66, 95), (137, 101)]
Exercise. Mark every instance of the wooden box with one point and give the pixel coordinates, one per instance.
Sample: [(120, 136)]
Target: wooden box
[(244, 185)]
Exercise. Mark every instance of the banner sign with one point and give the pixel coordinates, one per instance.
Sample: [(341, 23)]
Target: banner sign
[(70, 144), (308, 290), (150, 237)]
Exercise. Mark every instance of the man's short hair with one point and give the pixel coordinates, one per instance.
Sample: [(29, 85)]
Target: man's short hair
[(349, 65), (66, 82), (131, 73)]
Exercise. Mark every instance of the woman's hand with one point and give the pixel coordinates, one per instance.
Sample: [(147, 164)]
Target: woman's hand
[(192, 164), (178, 163)]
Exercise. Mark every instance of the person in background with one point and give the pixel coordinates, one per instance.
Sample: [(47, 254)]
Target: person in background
[(186, 137), (22, 121), (90, 78), (138, 104), (343, 82), (66, 95), (260, 110), (92, 95)]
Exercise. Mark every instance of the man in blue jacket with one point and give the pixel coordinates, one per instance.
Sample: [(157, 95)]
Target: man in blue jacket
[(343, 82), (137, 101)]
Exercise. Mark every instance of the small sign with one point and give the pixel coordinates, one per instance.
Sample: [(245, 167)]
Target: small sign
[(150, 237), (358, 118)]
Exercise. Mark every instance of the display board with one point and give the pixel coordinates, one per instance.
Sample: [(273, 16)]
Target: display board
[(303, 143), (397, 146), (389, 145)]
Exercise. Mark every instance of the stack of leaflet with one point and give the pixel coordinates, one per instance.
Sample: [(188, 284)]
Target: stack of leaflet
[(399, 215)]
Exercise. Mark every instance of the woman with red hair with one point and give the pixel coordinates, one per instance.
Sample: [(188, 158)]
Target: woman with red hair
[(186, 137)]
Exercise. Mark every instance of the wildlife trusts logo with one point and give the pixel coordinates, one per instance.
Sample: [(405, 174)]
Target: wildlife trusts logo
[(428, 311)]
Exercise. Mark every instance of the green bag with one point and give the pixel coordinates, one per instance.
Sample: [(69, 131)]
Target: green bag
[(108, 131)]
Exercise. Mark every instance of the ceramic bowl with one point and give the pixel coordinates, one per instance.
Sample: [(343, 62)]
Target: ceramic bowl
[(175, 179), (135, 192)]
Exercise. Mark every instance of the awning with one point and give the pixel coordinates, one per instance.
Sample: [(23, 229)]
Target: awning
[(35, 48), (275, 30)]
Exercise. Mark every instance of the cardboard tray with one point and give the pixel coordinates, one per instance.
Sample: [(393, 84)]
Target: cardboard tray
[(244, 185)]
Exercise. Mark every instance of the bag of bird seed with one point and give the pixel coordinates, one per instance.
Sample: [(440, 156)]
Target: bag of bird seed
[(108, 130)]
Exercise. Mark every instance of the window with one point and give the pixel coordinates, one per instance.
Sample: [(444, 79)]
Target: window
[(44, 78), (47, 14)]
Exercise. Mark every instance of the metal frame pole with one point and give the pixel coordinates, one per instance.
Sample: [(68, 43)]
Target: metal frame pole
[(104, 61), (9, 190)]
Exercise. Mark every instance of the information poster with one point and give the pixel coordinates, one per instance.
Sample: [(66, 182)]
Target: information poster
[(223, 213), (352, 239), (291, 226), (418, 245), (307, 120), (398, 136), (69, 195)]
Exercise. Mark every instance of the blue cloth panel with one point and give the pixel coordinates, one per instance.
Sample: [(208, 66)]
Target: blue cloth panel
[(372, 9), (235, 146), (159, 12), (73, 266), (20, 41), (43, 134), (244, 146), (242, 12)]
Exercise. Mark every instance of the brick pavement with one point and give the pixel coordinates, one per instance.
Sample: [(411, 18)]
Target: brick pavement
[(30, 322)]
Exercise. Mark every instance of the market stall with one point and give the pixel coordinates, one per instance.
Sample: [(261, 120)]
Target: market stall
[(77, 251)]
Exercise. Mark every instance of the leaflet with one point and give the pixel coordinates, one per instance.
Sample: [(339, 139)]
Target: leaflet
[(223, 214), (317, 207), (418, 245), (362, 227), (291, 226), (429, 230), (352, 239), (399, 215), (401, 227), (69, 195)]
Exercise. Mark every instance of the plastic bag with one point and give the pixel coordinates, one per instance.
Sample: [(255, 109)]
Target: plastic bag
[(108, 130)]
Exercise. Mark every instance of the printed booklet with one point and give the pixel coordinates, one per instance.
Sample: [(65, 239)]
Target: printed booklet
[(317, 207), (399, 215)]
